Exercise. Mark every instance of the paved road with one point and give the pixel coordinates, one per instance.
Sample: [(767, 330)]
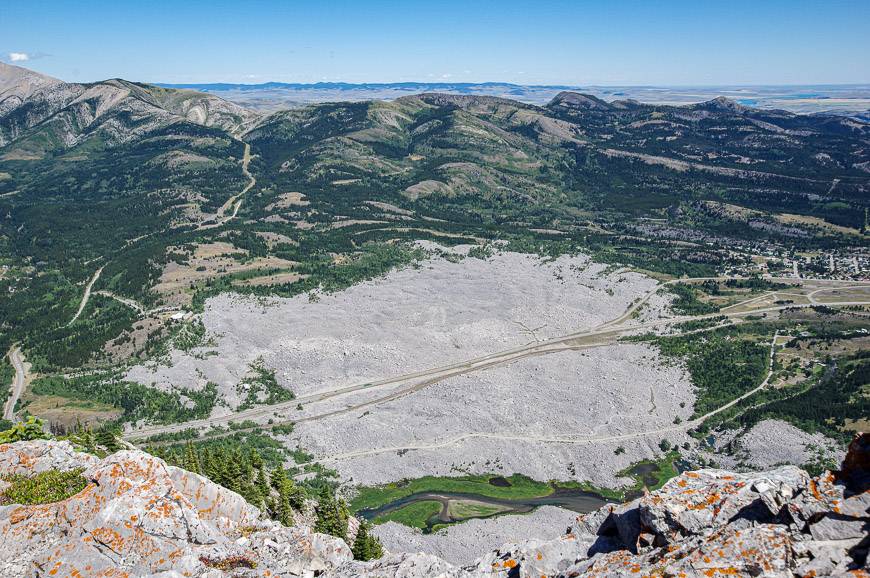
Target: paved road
[(563, 439), (17, 360), (812, 295), (86, 296), (603, 335)]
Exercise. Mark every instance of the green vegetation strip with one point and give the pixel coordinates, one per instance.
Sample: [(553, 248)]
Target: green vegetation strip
[(657, 474), (647, 473), (136, 400), (521, 487), (415, 515)]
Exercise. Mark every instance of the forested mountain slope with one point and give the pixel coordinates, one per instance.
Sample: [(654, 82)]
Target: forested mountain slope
[(115, 174)]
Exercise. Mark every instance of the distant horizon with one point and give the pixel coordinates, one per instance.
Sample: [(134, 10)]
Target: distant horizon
[(28, 66), (503, 83)]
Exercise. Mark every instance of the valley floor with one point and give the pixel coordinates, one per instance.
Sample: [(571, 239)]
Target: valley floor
[(341, 354)]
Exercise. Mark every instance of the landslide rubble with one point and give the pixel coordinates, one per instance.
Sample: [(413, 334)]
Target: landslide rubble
[(140, 517)]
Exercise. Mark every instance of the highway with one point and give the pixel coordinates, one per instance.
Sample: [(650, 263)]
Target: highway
[(18, 383), (604, 334), (561, 439)]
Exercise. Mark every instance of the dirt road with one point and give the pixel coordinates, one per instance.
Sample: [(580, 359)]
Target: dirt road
[(128, 302), (234, 202), (86, 296)]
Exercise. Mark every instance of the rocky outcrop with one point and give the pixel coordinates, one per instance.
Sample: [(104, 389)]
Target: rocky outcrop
[(139, 517), (716, 523)]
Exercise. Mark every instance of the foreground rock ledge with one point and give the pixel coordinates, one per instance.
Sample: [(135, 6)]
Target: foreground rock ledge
[(140, 517)]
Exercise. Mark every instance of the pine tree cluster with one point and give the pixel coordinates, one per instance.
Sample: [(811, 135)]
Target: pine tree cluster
[(274, 492), (245, 473)]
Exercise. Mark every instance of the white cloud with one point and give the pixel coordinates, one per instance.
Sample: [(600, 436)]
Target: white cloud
[(18, 56)]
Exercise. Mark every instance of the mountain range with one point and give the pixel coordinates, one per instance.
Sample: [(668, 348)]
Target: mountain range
[(88, 169)]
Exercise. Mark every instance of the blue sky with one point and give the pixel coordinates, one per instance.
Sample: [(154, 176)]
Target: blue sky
[(545, 42)]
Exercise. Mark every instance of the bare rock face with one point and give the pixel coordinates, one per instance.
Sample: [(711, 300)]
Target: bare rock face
[(18, 84), (139, 517), (402, 566), (715, 523), (117, 110)]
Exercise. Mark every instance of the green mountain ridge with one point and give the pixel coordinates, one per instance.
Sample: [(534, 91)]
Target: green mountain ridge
[(116, 174)]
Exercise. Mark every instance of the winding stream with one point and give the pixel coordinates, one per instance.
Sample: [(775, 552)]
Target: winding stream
[(581, 501), (572, 499)]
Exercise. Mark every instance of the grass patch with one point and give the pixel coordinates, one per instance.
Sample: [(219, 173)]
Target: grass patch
[(415, 515), (652, 474), (519, 487), (43, 488)]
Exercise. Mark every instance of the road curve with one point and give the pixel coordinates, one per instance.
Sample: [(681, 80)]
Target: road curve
[(124, 300), (86, 296), (17, 360), (234, 202)]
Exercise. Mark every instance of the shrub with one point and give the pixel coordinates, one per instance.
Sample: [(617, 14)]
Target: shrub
[(31, 429), (229, 563), (366, 546), (43, 488)]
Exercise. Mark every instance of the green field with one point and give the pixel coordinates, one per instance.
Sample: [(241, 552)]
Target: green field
[(415, 515), (520, 487)]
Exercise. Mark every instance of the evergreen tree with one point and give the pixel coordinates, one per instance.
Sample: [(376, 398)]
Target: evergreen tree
[(207, 465), (250, 493), (283, 511), (231, 475), (256, 459), (278, 478), (366, 546), (247, 466), (262, 483), (296, 494), (191, 459), (86, 439), (107, 439), (332, 515)]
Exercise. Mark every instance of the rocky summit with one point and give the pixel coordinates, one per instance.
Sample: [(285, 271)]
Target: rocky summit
[(138, 516)]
